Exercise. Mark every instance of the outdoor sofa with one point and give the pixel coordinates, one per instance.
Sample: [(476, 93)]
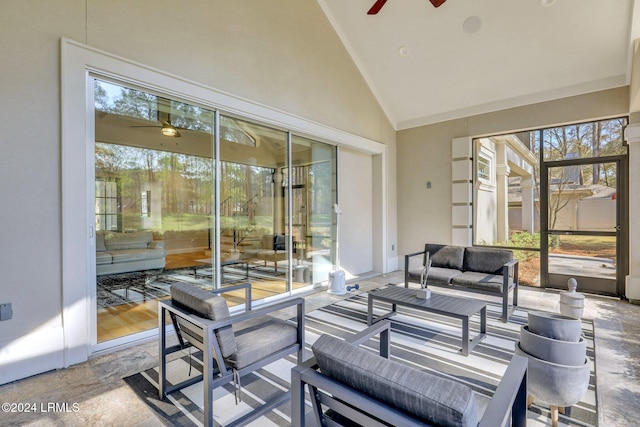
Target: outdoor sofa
[(482, 270), (347, 383)]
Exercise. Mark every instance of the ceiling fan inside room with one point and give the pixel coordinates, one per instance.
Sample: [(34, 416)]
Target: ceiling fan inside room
[(379, 3), (166, 128)]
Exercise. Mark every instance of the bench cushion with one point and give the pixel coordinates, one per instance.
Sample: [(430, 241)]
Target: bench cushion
[(486, 260), (260, 337), (445, 256), (439, 401), (481, 281), (210, 306)]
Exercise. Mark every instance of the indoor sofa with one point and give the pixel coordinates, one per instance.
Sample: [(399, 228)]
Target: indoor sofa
[(127, 252), (349, 385), (482, 270)]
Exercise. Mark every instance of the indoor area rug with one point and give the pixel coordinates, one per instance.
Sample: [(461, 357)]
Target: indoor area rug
[(424, 341)]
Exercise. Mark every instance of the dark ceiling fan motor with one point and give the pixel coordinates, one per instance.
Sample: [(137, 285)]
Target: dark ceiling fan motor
[(379, 3)]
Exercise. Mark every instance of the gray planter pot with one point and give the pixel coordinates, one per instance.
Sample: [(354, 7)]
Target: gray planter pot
[(555, 326), (551, 350), (554, 384)]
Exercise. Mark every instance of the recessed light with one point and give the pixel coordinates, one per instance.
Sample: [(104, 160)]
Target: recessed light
[(472, 24), (403, 51), (547, 3)]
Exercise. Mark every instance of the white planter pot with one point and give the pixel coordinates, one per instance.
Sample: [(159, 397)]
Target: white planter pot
[(555, 351), (555, 326), (554, 384)]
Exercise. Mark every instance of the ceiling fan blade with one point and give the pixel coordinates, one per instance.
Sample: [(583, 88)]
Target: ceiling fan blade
[(437, 3), (376, 7)]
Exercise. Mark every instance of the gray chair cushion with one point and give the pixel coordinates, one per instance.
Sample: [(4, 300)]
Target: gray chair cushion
[(439, 401), (482, 281), (486, 260), (445, 256), (210, 306), (260, 337)]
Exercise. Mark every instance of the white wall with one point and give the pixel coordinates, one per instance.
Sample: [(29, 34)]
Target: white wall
[(281, 54), (355, 185)]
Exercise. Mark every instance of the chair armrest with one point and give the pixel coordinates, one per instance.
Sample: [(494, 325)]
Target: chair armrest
[(382, 328), (204, 323), (406, 265), (510, 398), (510, 272), (247, 293)]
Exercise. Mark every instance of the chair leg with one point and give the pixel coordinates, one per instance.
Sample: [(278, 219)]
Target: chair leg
[(530, 400), (554, 416)]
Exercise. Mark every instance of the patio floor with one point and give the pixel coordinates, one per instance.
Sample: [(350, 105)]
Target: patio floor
[(103, 398)]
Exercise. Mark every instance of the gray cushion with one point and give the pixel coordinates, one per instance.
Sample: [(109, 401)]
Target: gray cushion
[(486, 260), (437, 275), (260, 337), (482, 281), (445, 256), (125, 255), (442, 275), (210, 306), (120, 241), (439, 401)]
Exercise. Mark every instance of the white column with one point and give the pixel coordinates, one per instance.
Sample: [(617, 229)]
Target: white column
[(502, 187), (461, 191), (632, 134), (528, 209)]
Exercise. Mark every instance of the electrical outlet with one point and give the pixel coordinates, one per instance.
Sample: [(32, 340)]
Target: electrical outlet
[(6, 312)]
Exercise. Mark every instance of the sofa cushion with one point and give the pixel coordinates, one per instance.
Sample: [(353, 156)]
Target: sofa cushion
[(260, 337), (126, 255), (210, 306), (103, 258), (442, 275), (445, 256), (486, 260), (439, 401), (120, 241), (482, 281), (437, 275)]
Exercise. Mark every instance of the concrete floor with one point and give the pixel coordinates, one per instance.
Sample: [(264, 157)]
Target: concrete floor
[(93, 393)]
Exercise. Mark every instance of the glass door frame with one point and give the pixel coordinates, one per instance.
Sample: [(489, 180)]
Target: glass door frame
[(620, 232)]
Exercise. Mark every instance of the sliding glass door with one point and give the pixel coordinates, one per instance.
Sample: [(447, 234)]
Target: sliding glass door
[(184, 193)]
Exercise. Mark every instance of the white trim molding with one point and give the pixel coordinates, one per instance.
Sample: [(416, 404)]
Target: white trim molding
[(79, 63)]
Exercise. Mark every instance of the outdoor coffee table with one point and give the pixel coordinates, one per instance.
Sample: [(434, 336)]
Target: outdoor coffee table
[(444, 305)]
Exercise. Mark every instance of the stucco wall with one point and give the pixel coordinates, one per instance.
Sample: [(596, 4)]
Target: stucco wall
[(282, 54), (424, 154)]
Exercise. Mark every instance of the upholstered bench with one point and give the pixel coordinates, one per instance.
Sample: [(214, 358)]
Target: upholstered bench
[(347, 382)]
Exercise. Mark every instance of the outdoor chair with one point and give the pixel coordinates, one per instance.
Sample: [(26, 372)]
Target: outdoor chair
[(231, 345), (350, 385)]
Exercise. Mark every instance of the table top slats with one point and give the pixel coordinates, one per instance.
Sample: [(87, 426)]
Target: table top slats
[(437, 303)]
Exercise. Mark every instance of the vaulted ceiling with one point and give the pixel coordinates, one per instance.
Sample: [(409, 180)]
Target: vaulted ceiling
[(425, 65)]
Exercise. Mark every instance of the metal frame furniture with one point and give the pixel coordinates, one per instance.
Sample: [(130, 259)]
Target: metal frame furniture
[(219, 367), (455, 272), (444, 305), (333, 399)]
